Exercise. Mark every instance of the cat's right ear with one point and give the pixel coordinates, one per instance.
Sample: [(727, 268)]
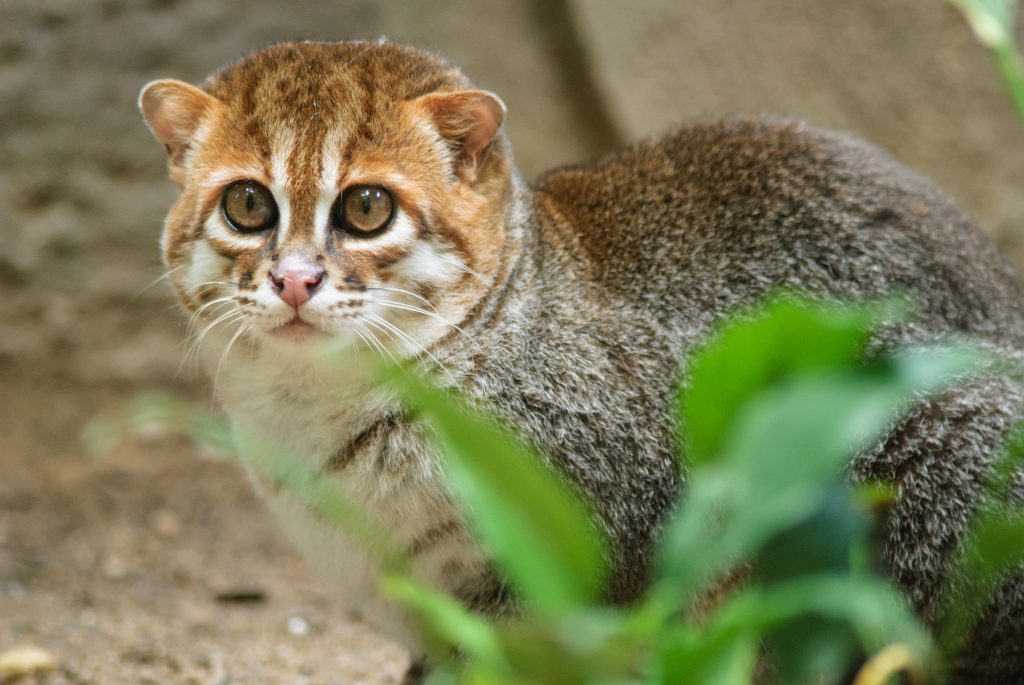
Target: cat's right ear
[(173, 110)]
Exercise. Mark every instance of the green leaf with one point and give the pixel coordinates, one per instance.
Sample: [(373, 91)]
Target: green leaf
[(448, 621), (689, 656), (994, 548), (993, 23), (784, 450), (787, 337), (321, 494), (812, 649), (162, 413), (540, 533), (1001, 484), (717, 651), (593, 646), (991, 20), (446, 674), (871, 607), (541, 660), (823, 542)]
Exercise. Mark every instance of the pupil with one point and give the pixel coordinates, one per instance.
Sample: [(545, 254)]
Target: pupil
[(250, 200), (367, 202)]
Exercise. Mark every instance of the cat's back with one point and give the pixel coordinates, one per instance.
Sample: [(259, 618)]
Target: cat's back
[(717, 214)]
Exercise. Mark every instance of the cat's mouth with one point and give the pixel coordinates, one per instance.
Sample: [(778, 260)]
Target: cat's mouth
[(296, 329)]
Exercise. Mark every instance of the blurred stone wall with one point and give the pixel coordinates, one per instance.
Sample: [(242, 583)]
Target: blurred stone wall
[(82, 185), (905, 74)]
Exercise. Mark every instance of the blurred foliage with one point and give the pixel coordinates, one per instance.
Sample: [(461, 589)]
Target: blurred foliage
[(774, 409), (994, 23), (763, 568)]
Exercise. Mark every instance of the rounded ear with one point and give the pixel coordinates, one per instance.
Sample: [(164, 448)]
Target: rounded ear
[(469, 120), (173, 111)]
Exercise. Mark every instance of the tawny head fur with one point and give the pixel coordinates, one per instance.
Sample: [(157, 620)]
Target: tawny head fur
[(307, 122)]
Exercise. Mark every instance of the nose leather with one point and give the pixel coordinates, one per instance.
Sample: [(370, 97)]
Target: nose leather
[(295, 279)]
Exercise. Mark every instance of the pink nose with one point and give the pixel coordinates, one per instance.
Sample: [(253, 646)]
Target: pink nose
[(296, 279)]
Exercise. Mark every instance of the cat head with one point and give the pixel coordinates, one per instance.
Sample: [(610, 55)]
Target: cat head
[(346, 191)]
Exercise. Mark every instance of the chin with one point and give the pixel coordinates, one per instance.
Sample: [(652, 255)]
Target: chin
[(297, 330), (296, 335), (301, 338)]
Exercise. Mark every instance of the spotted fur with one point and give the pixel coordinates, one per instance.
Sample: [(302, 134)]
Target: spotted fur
[(565, 307)]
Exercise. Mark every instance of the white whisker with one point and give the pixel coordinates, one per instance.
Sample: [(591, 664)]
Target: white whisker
[(231, 317), (418, 310), (459, 265), (358, 330), (206, 283), (224, 355), (192, 353), (197, 314), (404, 292), (209, 327), (391, 328), (152, 283), (377, 344)]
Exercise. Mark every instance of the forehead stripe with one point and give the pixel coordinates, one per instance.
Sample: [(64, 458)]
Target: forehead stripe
[(224, 175), (330, 172), (281, 150)]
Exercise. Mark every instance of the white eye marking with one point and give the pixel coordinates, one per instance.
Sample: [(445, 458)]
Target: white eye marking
[(400, 233), (216, 226), (206, 268), (426, 264), (225, 175), (330, 168), (281, 151), (366, 177)]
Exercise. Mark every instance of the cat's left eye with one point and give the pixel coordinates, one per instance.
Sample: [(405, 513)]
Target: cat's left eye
[(363, 210)]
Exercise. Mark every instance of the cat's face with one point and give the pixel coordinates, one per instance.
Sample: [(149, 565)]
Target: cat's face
[(350, 192)]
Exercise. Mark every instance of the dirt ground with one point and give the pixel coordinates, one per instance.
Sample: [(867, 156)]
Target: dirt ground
[(155, 563)]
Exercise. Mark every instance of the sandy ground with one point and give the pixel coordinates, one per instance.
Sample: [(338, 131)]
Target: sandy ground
[(154, 564)]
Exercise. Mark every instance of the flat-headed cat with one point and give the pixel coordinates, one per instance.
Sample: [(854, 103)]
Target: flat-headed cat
[(364, 193)]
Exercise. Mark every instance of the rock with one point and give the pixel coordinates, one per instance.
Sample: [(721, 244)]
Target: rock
[(241, 595), (25, 660)]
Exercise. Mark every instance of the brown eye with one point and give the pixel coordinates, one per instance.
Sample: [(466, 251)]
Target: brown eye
[(364, 210), (249, 207)]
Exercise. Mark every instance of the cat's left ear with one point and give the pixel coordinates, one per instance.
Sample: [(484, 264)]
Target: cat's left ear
[(469, 120), (174, 110)]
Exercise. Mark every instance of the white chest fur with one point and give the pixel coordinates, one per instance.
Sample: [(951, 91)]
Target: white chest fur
[(313, 411)]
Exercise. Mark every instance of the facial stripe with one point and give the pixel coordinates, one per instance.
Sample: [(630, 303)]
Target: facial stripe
[(221, 177), (199, 139), (377, 175), (281, 150), (428, 132), (330, 174)]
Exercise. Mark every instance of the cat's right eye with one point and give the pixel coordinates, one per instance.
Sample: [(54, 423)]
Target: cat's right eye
[(249, 207)]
